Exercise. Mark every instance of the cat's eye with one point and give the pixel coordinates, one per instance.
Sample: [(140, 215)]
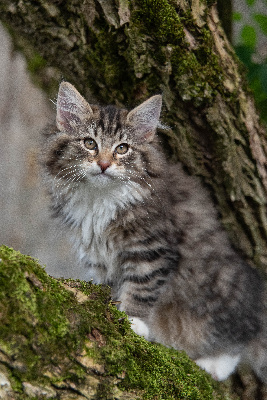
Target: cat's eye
[(90, 144), (122, 148)]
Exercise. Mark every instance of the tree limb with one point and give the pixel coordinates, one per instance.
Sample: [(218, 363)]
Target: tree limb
[(66, 340)]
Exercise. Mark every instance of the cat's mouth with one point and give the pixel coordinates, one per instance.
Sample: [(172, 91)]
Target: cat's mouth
[(101, 178), (101, 175), (104, 173)]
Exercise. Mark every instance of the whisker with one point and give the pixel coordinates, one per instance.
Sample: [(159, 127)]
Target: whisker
[(67, 168), (70, 175)]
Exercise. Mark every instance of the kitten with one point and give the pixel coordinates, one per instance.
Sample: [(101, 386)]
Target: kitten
[(150, 231)]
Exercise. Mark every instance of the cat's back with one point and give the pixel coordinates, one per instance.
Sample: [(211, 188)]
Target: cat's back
[(195, 213), (209, 264), (207, 256), (212, 289)]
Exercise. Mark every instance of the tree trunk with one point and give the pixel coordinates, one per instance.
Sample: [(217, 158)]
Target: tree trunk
[(120, 51), (116, 51)]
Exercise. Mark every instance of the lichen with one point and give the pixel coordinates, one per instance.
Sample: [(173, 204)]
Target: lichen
[(54, 338)]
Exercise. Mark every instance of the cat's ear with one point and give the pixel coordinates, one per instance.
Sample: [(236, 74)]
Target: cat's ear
[(145, 117), (72, 108)]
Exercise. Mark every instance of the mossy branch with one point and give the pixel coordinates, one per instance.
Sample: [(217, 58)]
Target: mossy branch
[(66, 340)]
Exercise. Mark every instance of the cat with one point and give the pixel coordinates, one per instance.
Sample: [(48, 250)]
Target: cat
[(150, 231)]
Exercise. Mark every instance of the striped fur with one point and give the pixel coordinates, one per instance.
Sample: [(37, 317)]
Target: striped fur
[(150, 231)]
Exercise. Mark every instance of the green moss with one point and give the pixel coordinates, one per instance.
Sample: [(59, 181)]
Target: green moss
[(196, 72), (36, 63), (109, 67), (160, 18), (44, 322), (33, 313)]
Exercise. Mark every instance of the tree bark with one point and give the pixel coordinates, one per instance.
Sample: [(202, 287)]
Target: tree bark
[(117, 51)]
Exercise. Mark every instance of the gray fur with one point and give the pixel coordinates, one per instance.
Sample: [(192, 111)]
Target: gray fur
[(151, 232)]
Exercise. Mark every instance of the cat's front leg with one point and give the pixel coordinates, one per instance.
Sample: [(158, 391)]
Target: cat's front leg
[(139, 327), (130, 305), (220, 367)]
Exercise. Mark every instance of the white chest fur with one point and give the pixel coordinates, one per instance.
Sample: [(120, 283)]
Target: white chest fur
[(92, 210)]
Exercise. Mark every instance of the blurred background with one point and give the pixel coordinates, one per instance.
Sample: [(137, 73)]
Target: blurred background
[(249, 37), (25, 221)]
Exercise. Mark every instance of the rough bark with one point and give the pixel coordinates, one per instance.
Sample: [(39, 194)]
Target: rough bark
[(116, 51), (67, 340)]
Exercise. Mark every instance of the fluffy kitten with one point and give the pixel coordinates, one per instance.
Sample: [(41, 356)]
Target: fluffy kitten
[(150, 231)]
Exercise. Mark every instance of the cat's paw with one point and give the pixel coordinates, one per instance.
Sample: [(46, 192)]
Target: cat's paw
[(139, 327), (219, 367)]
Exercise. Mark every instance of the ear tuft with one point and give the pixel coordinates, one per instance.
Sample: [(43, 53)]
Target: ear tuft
[(145, 117), (72, 108)]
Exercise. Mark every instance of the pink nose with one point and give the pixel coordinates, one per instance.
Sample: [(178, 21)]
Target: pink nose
[(103, 165)]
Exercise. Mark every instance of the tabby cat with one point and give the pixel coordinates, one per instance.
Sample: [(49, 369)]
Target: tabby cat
[(150, 231)]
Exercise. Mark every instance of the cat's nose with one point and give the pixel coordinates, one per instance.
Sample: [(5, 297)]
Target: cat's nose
[(103, 165)]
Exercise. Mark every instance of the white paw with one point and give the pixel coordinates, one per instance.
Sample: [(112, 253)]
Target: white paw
[(219, 367), (139, 327)]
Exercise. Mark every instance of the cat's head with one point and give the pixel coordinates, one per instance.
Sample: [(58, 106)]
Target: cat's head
[(103, 145)]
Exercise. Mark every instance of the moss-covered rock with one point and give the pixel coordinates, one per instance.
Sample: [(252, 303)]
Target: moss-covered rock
[(67, 340)]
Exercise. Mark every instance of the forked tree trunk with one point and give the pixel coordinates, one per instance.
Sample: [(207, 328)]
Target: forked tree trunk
[(120, 51)]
